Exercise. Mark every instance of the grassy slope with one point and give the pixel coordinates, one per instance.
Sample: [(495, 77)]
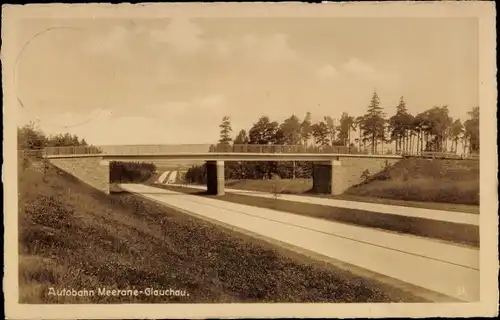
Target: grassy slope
[(437, 184), (72, 236), (296, 186), (448, 181)]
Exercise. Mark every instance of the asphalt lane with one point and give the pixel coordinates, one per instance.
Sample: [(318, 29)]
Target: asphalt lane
[(432, 214), (162, 177), (445, 268)]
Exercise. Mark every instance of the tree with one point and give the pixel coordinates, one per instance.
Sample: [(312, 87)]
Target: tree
[(196, 174), (456, 132), (345, 127), (410, 132), (330, 123), (357, 122), (472, 129), (422, 125), (127, 172), (241, 138), (278, 138), (306, 128), (291, 130), (75, 141), (373, 123), (437, 124), (321, 134), (263, 131), (401, 127), (30, 137), (225, 131)]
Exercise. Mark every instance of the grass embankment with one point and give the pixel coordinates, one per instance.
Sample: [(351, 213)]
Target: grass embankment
[(425, 180), (448, 231), (434, 184), (289, 186), (74, 237)]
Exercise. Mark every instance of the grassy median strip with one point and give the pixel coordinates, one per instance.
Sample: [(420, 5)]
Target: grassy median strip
[(382, 192), (73, 237), (448, 231)]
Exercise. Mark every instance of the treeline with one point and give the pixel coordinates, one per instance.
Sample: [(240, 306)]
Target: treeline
[(29, 137), (430, 130), (31, 141), (373, 132), (253, 170), (130, 172)]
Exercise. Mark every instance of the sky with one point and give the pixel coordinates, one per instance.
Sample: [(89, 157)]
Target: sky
[(170, 81)]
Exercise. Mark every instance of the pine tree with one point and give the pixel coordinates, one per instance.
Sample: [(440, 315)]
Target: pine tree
[(291, 129), (321, 134), (306, 128), (373, 123), (401, 127), (331, 127), (241, 138), (472, 129), (346, 125), (225, 131)]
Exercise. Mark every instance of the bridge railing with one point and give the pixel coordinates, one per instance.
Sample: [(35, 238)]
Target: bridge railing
[(76, 150), (270, 148), (127, 149), (239, 148), (159, 149)]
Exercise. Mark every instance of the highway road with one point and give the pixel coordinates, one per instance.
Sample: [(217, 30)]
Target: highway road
[(172, 178), (161, 179), (440, 215), (448, 269), (167, 177)]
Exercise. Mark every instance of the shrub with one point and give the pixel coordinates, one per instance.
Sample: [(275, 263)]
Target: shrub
[(365, 175), (276, 190), (126, 172), (196, 174)]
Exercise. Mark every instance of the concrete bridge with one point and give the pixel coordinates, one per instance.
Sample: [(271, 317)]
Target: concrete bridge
[(333, 173)]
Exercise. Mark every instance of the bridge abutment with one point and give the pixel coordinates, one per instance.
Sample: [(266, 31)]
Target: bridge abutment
[(93, 171), (334, 177), (327, 177), (215, 177)]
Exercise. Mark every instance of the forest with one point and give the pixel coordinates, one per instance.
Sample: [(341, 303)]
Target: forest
[(130, 172), (30, 137), (373, 132)]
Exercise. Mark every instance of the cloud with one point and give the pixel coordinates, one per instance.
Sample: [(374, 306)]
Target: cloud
[(105, 127), (253, 48), (211, 101), (187, 38), (182, 35), (360, 68), (367, 72), (327, 71), (269, 48), (209, 105)]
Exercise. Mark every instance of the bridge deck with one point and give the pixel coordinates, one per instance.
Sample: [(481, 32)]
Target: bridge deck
[(227, 156)]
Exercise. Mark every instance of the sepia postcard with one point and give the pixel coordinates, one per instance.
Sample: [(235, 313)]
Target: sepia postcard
[(250, 160)]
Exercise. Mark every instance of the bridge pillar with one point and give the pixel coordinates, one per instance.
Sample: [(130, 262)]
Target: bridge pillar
[(215, 177), (327, 177)]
